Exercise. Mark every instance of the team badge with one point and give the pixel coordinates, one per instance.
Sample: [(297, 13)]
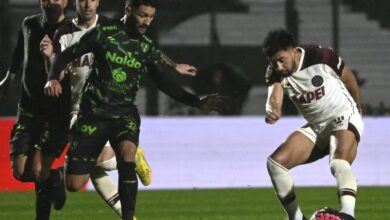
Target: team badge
[(317, 81), (119, 75), (144, 47)]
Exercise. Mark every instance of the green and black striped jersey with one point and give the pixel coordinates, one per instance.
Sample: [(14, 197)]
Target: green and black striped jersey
[(120, 59)]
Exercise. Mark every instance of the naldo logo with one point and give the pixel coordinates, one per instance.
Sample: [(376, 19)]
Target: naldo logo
[(118, 75), (127, 60)]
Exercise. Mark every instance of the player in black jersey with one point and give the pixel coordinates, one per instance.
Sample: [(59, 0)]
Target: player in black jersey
[(39, 134), (87, 18), (107, 111)]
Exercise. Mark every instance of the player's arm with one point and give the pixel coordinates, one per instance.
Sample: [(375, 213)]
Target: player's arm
[(174, 90), (86, 44), (184, 69), (16, 63), (273, 106), (351, 84)]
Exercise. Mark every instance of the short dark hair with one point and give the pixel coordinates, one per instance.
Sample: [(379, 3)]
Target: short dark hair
[(276, 40), (137, 3)]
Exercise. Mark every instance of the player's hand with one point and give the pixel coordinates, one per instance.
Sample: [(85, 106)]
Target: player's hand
[(186, 69), (46, 47), (53, 88), (215, 102), (271, 117)]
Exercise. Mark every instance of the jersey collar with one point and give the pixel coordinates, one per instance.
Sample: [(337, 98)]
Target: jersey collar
[(75, 21)]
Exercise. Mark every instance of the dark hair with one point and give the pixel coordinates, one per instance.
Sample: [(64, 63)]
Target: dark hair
[(277, 40), (137, 3)]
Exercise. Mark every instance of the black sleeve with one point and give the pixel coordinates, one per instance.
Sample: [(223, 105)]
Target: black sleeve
[(85, 45), (17, 56), (172, 89)]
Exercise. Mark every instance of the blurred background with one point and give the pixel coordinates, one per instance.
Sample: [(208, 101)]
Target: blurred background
[(223, 38)]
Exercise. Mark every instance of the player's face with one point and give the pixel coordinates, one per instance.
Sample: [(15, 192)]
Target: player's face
[(142, 17), (53, 9), (86, 9), (284, 61)]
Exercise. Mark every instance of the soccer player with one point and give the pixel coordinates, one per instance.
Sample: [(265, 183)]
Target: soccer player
[(325, 91), (107, 112), (67, 35), (40, 132)]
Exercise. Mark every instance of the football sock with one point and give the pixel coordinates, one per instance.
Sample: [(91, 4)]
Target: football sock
[(128, 186), (42, 201), (284, 187), (346, 184), (108, 165), (106, 188)]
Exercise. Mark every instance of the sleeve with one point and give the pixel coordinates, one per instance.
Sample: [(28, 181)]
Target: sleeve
[(271, 76), (156, 56), (87, 44), (57, 47), (329, 57), (169, 87), (18, 54)]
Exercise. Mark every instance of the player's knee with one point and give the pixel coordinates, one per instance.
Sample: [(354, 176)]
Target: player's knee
[(339, 166), (36, 172), (18, 173), (73, 185), (128, 151), (275, 168)]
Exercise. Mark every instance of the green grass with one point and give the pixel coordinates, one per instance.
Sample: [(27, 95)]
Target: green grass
[(227, 204)]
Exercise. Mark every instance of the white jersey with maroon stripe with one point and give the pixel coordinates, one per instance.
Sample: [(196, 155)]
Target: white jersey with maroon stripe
[(316, 88), (79, 68)]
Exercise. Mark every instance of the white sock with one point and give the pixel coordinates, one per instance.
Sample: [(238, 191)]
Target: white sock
[(284, 187), (108, 165), (346, 184), (106, 188)]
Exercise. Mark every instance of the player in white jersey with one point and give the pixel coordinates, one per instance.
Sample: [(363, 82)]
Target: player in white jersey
[(325, 91), (87, 18)]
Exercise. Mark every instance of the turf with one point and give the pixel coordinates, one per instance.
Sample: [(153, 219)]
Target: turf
[(222, 204)]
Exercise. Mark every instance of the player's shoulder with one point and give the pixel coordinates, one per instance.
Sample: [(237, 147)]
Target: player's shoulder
[(31, 19), (67, 28), (317, 51), (108, 25), (317, 54), (146, 39)]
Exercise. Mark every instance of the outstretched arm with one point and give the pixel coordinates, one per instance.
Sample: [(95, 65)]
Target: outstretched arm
[(184, 69), (174, 90), (351, 84), (273, 107)]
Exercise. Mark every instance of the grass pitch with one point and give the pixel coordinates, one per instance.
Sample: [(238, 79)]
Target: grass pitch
[(222, 204)]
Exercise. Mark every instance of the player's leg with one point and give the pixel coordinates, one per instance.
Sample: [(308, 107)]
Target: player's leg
[(103, 183), (124, 142), (22, 141), (24, 135), (296, 150), (43, 185), (89, 135), (51, 144), (128, 182), (343, 147)]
